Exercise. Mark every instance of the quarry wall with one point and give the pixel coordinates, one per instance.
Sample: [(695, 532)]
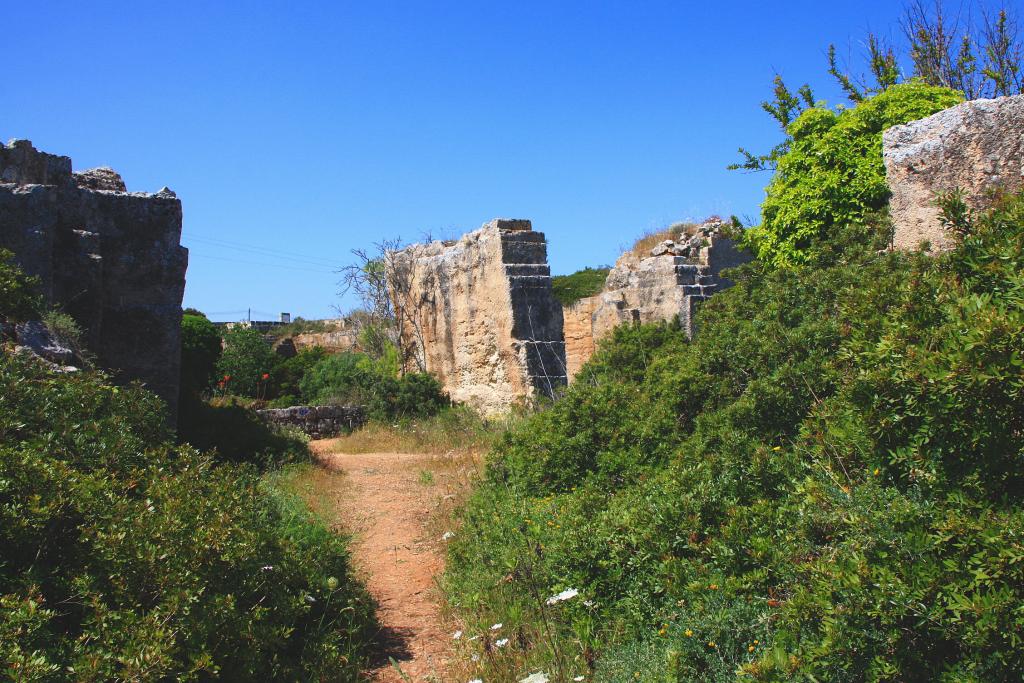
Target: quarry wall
[(976, 146), (110, 258), (672, 280), (485, 320)]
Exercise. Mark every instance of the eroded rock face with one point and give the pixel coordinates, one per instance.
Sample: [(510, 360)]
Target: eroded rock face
[(976, 146), (317, 422), (673, 281), (487, 322), (109, 258)]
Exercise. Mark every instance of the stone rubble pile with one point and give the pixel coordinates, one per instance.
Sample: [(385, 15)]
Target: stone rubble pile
[(318, 422)]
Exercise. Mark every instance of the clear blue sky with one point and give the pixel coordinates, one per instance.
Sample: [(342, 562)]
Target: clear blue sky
[(306, 129)]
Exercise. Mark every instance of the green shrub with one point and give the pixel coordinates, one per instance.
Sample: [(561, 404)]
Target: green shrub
[(287, 375), (19, 295), (125, 558), (832, 174), (569, 289), (358, 379), (826, 484), (200, 351), (245, 363)]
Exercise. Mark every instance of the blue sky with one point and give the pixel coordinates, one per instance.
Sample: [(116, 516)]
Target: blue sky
[(294, 132)]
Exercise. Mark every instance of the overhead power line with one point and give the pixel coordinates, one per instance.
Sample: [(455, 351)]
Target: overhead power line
[(287, 266), (263, 251)]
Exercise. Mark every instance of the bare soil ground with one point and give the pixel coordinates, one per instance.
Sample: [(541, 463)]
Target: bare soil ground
[(391, 504)]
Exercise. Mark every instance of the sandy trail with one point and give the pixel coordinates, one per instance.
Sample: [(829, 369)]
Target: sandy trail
[(381, 501)]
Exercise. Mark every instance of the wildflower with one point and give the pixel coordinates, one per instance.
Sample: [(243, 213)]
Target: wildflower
[(777, 449), (877, 471), (712, 644), (474, 657), (539, 677), (310, 599), (456, 635), (750, 649), (496, 626), (756, 642), (227, 378), (567, 594), (713, 587), (446, 535), (579, 678), (265, 376), (501, 642), (268, 568), (688, 633)]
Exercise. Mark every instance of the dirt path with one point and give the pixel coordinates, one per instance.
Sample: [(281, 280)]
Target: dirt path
[(383, 500)]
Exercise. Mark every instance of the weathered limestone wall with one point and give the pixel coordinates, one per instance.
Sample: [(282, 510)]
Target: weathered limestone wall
[(486, 319), (672, 281), (109, 258), (579, 333), (317, 422), (976, 146)]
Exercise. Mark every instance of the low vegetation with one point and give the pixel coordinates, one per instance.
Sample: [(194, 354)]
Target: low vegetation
[(126, 557), (569, 289)]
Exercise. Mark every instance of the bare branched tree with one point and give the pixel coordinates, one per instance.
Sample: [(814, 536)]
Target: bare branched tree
[(955, 52), (384, 280)]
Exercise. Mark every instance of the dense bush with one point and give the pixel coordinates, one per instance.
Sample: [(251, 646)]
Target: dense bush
[(569, 289), (125, 558), (245, 363), (200, 351), (832, 173), (827, 484), (285, 377), (19, 295), (358, 379)]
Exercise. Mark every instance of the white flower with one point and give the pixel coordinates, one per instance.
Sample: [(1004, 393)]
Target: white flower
[(476, 680), (539, 677), (457, 635), (446, 535), (310, 599), (579, 678), (567, 594), (474, 657), (496, 626), (268, 568), (501, 642)]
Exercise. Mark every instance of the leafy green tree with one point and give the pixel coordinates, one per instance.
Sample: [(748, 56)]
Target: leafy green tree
[(246, 362), (832, 173), (200, 351)]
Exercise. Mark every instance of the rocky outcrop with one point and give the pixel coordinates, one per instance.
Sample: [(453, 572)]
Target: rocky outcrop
[(109, 258), (976, 147), (670, 282), (484, 318), (317, 422)]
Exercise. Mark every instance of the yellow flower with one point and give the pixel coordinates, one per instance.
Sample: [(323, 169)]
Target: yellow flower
[(750, 649), (756, 642), (689, 633), (777, 449), (711, 643)]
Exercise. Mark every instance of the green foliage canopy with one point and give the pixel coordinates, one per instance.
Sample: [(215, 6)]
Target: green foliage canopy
[(832, 173), (200, 351), (246, 358)]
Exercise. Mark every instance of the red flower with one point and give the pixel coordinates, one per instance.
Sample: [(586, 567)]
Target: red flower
[(227, 377), (266, 375)]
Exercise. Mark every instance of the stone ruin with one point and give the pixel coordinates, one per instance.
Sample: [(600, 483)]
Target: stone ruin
[(108, 257), (316, 422), (976, 147), (484, 318), (671, 281)]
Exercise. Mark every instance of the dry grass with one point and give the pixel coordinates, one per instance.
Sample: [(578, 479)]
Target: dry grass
[(642, 247), (457, 430)]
